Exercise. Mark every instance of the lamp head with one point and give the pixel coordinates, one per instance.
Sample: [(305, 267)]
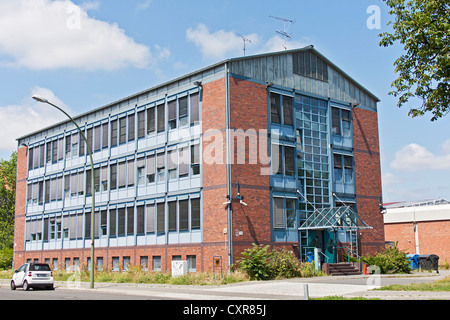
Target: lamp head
[(39, 99)]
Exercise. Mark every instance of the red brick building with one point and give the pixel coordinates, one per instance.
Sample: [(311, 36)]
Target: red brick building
[(292, 130), (420, 227)]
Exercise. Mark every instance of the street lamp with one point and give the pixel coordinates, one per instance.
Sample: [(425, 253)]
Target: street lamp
[(42, 100)]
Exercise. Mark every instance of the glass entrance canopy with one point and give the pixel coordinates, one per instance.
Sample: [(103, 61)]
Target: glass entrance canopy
[(343, 218)]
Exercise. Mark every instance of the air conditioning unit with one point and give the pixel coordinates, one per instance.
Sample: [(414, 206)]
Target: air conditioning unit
[(179, 268)]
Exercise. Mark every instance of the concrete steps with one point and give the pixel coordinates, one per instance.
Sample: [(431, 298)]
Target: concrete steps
[(342, 269)]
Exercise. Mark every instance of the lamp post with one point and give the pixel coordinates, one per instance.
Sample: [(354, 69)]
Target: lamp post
[(42, 100)]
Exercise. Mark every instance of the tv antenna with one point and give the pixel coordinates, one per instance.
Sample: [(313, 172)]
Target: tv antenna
[(245, 40), (284, 33)]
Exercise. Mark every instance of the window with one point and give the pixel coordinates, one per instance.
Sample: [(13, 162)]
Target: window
[(195, 159), (96, 180), (114, 133), (126, 263), (192, 263), (341, 122), (130, 221), (287, 110), (195, 112), (105, 131), (172, 164), (183, 162), (141, 124), (97, 138), (172, 216), (113, 176), (150, 215), (122, 130), (141, 171), (289, 165), (172, 105), (75, 144), (121, 222), (290, 213), (278, 217), (195, 214), (115, 263), (144, 263), (151, 120), (89, 137), (140, 219), (131, 127), (103, 223), (275, 112), (156, 263), (104, 180), (307, 63), (284, 215), (151, 169), (277, 159), (160, 208), (122, 174), (130, 175), (183, 111), (68, 147), (160, 164), (184, 215), (161, 117), (112, 222)]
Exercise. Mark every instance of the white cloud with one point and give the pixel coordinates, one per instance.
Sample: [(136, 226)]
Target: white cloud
[(276, 43), (220, 44), (390, 179), (414, 157), (29, 116), (44, 34)]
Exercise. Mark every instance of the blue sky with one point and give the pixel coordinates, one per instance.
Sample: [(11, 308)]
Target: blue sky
[(85, 54)]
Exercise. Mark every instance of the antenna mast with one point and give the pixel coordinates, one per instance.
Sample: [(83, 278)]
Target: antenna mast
[(284, 33), (244, 40)]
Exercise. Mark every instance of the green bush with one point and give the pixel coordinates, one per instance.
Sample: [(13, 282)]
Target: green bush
[(6, 258), (390, 260), (260, 264), (256, 262)]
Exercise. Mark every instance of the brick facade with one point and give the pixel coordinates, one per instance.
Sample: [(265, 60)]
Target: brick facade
[(248, 121), (368, 178)]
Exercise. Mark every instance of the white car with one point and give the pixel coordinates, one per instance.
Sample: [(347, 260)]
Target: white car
[(32, 275)]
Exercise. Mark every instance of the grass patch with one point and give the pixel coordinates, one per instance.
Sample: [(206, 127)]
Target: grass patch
[(440, 285), (343, 298), (135, 275)]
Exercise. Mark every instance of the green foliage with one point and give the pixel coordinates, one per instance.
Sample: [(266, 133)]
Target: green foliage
[(423, 29), (7, 201), (260, 264), (256, 262), (390, 260), (6, 258)]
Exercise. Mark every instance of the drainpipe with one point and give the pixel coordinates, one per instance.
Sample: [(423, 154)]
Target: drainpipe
[(228, 166)]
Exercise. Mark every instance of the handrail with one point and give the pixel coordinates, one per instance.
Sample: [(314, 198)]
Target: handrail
[(354, 253)]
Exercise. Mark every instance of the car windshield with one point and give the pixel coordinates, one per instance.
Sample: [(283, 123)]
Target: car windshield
[(39, 267)]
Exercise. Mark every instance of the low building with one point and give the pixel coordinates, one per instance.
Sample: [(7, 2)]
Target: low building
[(248, 150), (419, 227)]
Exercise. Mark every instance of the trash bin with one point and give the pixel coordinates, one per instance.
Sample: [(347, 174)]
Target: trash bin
[(429, 262), (309, 257), (413, 260)]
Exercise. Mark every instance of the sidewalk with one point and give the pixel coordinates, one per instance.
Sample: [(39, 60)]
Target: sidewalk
[(289, 289)]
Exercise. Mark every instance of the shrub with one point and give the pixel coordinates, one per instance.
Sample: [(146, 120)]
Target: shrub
[(260, 264), (390, 260), (255, 261), (283, 264), (6, 258)]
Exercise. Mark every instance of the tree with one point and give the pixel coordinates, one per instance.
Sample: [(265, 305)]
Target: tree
[(423, 28), (7, 201)]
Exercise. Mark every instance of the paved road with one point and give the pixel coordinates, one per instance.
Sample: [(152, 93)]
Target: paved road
[(291, 289)]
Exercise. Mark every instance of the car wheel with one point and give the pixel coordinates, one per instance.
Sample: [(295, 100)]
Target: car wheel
[(25, 287), (51, 287), (13, 285)]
